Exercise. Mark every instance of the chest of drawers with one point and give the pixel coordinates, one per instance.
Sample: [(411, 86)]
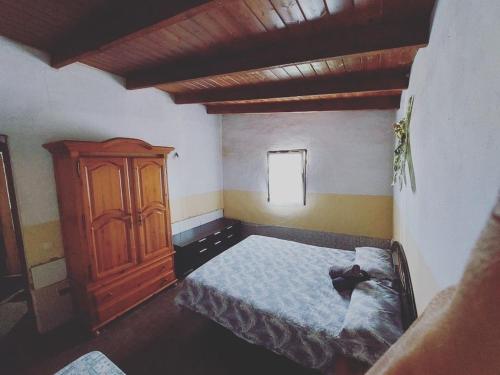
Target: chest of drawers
[(197, 246)]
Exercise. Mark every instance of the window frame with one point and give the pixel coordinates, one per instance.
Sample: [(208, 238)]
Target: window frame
[(301, 151)]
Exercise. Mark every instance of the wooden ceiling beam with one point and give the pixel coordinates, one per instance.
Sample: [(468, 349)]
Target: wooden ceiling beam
[(302, 48), (343, 104), (123, 20), (347, 84)]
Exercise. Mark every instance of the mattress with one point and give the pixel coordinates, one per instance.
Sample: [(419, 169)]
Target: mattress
[(274, 293)]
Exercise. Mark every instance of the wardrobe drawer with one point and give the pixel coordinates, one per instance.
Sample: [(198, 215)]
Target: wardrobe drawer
[(109, 293), (134, 297)]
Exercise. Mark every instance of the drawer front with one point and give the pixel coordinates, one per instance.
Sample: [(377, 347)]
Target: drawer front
[(192, 256), (205, 254), (218, 242), (220, 245), (231, 237), (133, 297), (110, 293), (233, 228), (200, 250), (210, 240), (202, 242), (217, 236)]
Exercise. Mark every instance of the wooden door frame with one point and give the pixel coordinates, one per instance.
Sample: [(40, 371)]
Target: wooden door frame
[(4, 149)]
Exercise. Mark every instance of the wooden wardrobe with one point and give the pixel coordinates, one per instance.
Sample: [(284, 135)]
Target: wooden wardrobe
[(115, 218)]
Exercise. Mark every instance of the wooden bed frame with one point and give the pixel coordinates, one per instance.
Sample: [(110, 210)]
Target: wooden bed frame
[(408, 306)]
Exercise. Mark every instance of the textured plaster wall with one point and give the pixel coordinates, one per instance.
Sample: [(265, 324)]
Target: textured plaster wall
[(348, 169), (455, 136), (39, 104)]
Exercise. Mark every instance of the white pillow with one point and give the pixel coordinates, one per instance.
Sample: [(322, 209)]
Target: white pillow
[(373, 321), (377, 262)]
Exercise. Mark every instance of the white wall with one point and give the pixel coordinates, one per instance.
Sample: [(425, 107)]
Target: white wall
[(455, 137), (349, 165), (348, 152), (39, 104)]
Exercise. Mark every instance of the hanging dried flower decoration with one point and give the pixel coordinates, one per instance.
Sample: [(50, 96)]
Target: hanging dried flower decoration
[(402, 152)]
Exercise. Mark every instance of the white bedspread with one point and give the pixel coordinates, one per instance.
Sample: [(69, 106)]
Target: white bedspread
[(274, 293)]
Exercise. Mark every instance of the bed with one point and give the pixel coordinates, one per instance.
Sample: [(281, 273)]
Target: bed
[(278, 294)]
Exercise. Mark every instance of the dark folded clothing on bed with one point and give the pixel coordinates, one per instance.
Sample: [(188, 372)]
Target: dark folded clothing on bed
[(346, 278), (336, 271), (349, 271)]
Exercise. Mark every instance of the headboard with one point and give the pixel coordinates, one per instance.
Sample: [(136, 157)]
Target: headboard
[(409, 308)]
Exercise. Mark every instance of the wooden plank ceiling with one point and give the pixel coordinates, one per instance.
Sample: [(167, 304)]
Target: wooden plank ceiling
[(236, 56)]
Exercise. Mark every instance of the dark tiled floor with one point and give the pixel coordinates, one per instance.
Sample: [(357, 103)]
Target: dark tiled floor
[(155, 338)]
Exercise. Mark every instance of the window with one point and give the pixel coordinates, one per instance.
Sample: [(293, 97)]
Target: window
[(286, 177)]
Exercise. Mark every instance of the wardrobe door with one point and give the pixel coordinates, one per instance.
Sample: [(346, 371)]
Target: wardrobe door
[(108, 215), (152, 207)]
